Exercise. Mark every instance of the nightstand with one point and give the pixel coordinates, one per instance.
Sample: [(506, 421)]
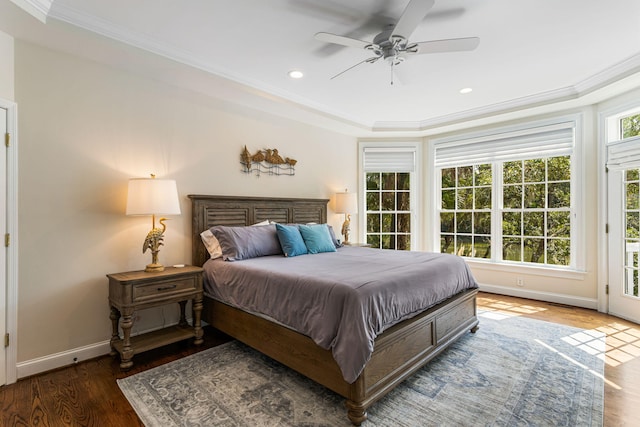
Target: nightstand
[(137, 290)]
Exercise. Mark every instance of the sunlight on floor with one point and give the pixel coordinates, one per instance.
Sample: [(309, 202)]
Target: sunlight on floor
[(622, 343), (595, 345), (508, 309)]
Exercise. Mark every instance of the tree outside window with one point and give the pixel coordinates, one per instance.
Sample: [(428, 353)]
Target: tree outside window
[(536, 214), (388, 210), (630, 126), (534, 217), (465, 217)]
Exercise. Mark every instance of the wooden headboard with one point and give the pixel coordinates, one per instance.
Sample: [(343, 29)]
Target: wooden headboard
[(208, 211)]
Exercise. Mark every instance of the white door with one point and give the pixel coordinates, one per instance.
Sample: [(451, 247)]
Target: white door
[(3, 249), (624, 242)]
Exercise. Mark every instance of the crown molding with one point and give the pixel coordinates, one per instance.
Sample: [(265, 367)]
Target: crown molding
[(606, 77), (39, 9), (141, 41), (145, 42), (479, 113)]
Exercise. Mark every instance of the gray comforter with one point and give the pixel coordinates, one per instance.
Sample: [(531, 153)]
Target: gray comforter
[(343, 299)]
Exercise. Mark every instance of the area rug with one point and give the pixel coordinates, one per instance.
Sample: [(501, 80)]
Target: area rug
[(513, 372)]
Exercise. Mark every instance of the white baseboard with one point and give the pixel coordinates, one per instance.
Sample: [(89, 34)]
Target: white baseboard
[(64, 358), (70, 357), (541, 296)]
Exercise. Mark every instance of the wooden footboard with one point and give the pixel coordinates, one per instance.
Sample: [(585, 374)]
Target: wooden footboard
[(399, 351)]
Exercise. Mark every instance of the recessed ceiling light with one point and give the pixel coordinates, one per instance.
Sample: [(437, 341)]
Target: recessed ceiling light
[(466, 90), (296, 74)]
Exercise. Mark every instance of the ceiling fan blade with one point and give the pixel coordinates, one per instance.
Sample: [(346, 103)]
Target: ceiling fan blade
[(411, 17), (369, 60), (341, 40), (447, 45)]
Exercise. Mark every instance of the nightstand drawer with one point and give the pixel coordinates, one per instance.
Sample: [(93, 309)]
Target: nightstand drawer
[(160, 289)]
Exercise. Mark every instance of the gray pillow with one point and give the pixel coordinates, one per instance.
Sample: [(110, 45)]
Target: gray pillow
[(240, 243), (335, 241)]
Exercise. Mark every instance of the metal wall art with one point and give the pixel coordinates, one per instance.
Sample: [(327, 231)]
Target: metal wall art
[(267, 161)]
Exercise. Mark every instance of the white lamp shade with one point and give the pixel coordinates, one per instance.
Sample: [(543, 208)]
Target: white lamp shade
[(150, 196), (346, 203)]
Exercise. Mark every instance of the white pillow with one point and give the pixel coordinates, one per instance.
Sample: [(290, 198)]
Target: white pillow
[(212, 244)]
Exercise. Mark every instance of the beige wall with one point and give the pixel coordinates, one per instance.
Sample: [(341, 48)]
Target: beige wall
[(6, 67), (85, 129)]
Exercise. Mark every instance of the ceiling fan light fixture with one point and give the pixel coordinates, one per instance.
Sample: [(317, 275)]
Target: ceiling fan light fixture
[(295, 74)]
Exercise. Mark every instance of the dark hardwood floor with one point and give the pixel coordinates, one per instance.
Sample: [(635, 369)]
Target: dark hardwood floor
[(86, 394)]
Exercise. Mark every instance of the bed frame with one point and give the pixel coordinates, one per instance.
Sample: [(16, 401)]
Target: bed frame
[(399, 351)]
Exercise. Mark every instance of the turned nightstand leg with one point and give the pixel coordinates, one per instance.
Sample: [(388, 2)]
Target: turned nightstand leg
[(183, 317), (115, 335), (127, 351), (197, 324)]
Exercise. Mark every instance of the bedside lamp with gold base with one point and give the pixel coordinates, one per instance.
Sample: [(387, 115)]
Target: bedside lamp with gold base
[(151, 196), (346, 203)]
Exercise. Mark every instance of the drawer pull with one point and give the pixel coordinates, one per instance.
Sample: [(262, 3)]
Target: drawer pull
[(166, 288)]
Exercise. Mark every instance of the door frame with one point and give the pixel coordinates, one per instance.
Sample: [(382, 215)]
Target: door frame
[(12, 250), (611, 109)]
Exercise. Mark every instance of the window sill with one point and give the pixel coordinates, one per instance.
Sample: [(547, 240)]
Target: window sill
[(527, 269)]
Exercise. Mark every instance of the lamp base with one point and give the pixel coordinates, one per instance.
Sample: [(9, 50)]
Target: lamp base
[(346, 228), (154, 268)]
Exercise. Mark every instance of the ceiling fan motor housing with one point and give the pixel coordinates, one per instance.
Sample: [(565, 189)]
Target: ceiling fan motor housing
[(389, 46)]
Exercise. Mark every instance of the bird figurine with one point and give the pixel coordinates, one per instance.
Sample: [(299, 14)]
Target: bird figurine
[(290, 161), (258, 157), (154, 240), (245, 157), (276, 158)]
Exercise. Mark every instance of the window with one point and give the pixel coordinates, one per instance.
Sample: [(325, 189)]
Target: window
[(465, 218), (508, 197), (389, 194), (629, 126), (388, 207), (632, 230), (536, 214)]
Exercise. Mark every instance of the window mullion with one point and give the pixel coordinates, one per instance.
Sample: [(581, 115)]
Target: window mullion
[(497, 208)]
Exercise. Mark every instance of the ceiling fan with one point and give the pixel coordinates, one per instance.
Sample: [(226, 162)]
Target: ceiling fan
[(393, 45)]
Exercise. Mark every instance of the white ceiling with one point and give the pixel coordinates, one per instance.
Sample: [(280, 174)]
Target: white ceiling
[(531, 52)]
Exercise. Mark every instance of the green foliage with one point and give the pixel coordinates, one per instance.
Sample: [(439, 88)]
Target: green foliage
[(630, 126), (536, 221), (388, 198), (559, 168), (534, 170), (512, 172)]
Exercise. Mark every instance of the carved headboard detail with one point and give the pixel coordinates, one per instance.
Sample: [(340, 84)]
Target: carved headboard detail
[(208, 211)]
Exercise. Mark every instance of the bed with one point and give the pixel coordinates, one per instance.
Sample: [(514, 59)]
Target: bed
[(397, 352)]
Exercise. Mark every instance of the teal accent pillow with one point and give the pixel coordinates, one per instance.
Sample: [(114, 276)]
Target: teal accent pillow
[(290, 240), (317, 238)]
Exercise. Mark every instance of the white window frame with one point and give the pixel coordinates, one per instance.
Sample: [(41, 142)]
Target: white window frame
[(577, 267), (413, 145)]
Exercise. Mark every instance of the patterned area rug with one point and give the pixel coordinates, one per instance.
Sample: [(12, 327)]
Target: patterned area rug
[(514, 371)]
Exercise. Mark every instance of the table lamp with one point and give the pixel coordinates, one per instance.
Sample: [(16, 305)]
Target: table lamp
[(151, 196), (346, 203)]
